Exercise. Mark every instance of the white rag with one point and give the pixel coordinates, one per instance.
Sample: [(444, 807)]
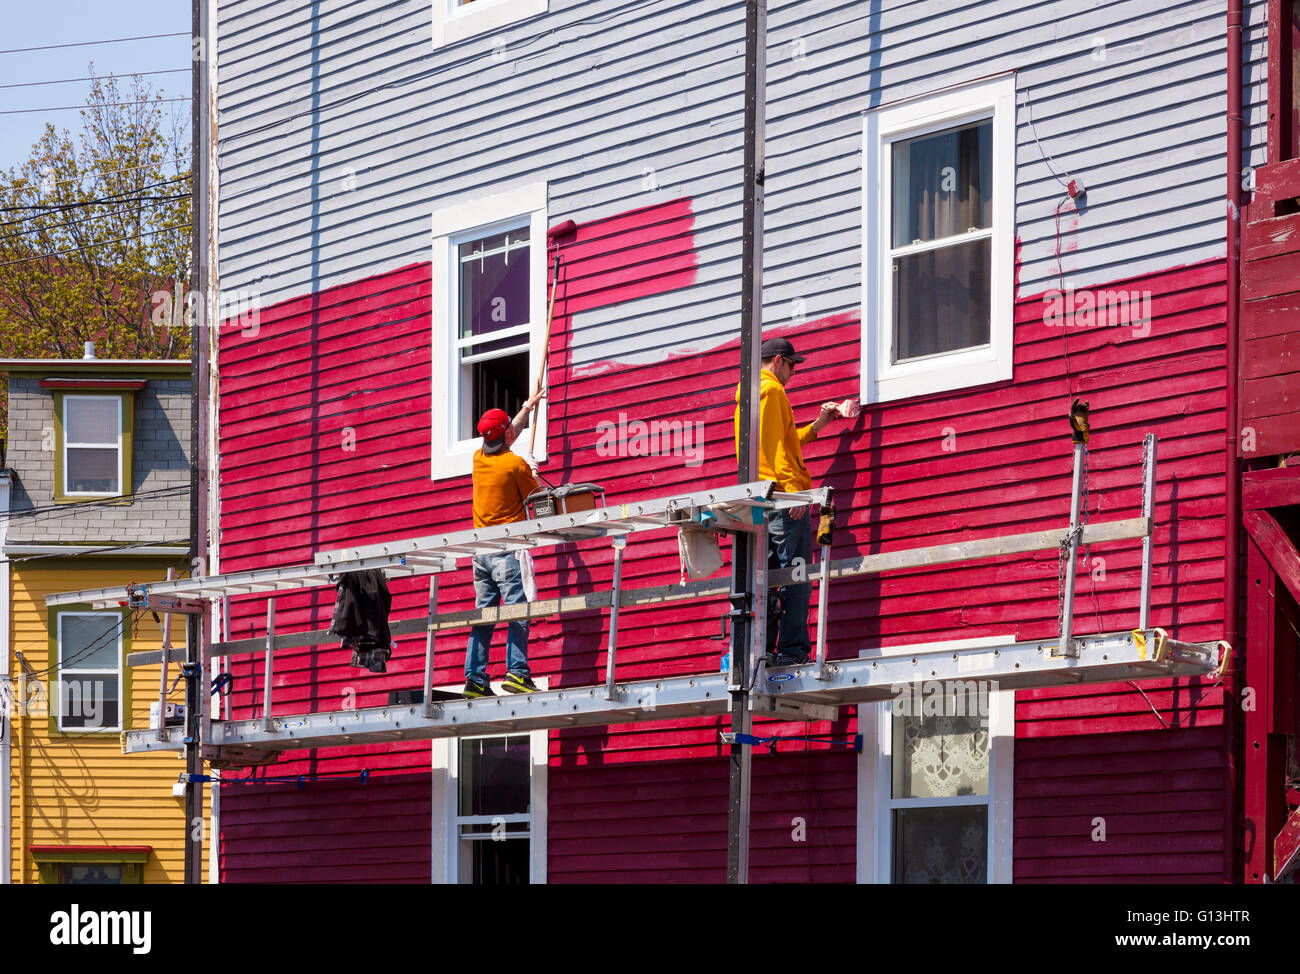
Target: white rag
[(526, 574)]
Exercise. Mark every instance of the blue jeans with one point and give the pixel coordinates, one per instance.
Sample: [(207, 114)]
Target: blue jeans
[(787, 539), (497, 581)]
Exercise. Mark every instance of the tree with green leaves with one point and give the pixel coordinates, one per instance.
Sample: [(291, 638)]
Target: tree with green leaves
[(92, 227)]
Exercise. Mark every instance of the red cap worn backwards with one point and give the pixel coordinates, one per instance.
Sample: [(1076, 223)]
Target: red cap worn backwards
[(492, 425)]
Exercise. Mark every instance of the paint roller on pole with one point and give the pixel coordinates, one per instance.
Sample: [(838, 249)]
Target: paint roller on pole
[(552, 236)]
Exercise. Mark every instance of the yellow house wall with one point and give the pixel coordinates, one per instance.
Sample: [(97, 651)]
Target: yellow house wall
[(80, 789)]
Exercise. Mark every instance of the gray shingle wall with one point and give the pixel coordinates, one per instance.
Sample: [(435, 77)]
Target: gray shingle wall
[(161, 461)]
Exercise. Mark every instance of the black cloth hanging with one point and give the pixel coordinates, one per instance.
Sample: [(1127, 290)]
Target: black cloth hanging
[(361, 605)]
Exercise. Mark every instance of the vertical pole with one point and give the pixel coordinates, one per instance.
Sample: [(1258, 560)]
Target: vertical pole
[(270, 664), (1067, 613), (823, 606), (225, 660), (163, 674), (745, 551), (196, 688), (1148, 511), (615, 594), (428, 646)]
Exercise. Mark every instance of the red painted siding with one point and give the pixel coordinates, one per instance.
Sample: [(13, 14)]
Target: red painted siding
[(325, 440)]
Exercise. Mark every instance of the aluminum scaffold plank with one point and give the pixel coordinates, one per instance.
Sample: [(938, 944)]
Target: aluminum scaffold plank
[(879, 675)]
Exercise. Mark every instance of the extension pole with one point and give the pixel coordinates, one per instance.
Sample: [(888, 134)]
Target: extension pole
[(196, 683), (744, 546)]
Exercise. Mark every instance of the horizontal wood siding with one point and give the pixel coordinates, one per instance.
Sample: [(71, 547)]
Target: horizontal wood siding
[(643, 804), (79, 789), (342, 130), (325, 830)]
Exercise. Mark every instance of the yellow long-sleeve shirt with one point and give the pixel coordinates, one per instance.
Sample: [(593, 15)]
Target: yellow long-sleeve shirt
[(780, 454)]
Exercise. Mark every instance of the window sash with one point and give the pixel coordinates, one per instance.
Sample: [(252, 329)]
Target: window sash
[(70, 444), (885, 376), (97, 672)]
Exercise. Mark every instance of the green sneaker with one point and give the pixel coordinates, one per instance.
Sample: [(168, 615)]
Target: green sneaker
[(473, 689), (514, 683)]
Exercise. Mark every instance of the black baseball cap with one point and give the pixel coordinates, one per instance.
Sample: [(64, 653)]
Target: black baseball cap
[(779, 346)]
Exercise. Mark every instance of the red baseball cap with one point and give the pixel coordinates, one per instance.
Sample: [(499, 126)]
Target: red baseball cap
[(492, 424)]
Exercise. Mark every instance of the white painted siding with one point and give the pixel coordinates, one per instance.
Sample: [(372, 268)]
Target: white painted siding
[(342, 127)]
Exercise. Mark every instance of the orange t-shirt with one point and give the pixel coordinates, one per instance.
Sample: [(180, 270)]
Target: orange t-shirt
[(501, 482)]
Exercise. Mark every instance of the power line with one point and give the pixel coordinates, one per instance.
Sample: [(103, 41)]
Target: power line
[(68, 81), (90, 219), (111, 40), (68, 206), (125, 196), (100, 243), (107, 104), (98, 551), (73, 507)]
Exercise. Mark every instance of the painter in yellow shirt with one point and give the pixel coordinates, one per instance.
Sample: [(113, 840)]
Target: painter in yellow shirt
[(780, 458)]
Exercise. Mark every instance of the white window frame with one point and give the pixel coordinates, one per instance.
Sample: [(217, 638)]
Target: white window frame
[(875, 846), (73, 671), (68, 444), (454, 22), (882, 379), (468, 217), (445, 847)]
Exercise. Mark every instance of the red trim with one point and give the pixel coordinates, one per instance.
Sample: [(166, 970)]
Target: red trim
[(132, 384), (146, 849)]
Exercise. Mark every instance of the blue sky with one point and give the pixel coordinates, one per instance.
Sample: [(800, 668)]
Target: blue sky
[(32, 23)]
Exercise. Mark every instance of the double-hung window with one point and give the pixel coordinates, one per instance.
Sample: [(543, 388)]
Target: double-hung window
[(938, 212), (935, 784), (489, 317), (489, 803), (456, 20), (92, 446), (90, 681)]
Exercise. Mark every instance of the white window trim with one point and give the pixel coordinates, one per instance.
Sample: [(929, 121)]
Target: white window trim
[(452, 456), (445, 842), (453, 22), (68, 444), (74, 671), (882, 380), (875, 823)]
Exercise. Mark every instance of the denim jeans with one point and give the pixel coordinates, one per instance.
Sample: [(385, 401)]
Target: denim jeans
[(497, 581), (787, 539)]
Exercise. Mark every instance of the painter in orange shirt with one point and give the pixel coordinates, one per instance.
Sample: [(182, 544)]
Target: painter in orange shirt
[(780, 458), (502, 482)]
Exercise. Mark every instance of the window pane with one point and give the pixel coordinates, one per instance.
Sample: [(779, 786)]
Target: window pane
[(943, 184), (495, 863), (92, 470), (91, 420), (90, 874), (500, 382), (941, 845), (89, 642), (940, 757), (493, 283), (942, 299), (487, 830), (494, 776), (89, 702)]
